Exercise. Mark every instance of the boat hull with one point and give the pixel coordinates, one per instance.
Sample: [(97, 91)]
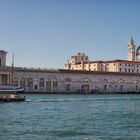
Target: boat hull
[(7, 99), (9, 89)]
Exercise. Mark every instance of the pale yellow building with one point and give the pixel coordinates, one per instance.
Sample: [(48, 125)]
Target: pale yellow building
[(132, 65)]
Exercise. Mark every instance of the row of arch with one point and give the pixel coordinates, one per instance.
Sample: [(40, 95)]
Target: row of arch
[(51, 84), (30, 81)]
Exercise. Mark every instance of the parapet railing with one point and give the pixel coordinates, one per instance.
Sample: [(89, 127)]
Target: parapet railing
[(32, 69)]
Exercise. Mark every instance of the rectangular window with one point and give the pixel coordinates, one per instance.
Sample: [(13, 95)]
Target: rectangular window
[(125, 70), (120, 69)]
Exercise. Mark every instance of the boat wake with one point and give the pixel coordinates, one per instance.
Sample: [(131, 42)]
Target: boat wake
[(58, 100)]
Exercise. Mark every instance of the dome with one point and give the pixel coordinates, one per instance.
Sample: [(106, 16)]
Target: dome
[(138, 50)]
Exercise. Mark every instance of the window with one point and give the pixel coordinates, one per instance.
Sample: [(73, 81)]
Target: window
[(120, 69), (132, 70), (125, 64), (125, 70), (0, 61), (137, 71), (120, 64), (129, 70)]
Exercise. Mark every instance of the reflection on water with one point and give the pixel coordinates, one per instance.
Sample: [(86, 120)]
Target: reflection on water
[(71, 117)]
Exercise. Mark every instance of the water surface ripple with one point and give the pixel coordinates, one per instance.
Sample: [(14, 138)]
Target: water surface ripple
[(71, 117)]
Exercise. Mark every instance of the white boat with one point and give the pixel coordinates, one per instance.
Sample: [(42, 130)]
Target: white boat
[(10, 88)]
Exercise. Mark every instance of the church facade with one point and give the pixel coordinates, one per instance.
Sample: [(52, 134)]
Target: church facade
[(78, 76)]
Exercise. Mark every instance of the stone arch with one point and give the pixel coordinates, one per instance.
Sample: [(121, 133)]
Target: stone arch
[(22, 82), (41, 82), (55, 83), (85, 85), (15, 81), (121, 82), (30, 82), (48, 84), (136, 85)]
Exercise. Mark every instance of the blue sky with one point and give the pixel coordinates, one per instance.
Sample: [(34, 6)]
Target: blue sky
[(45, 33)]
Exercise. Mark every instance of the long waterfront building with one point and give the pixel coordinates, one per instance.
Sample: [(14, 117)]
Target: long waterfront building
[(79, 75)]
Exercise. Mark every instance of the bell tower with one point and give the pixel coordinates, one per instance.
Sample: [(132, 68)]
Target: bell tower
[(131, 50), (3, 58)]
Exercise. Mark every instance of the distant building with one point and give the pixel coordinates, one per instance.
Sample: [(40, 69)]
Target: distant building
[(79, 75), (132, 65)]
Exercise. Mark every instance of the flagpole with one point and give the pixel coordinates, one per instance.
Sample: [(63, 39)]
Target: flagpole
[(13, 69)]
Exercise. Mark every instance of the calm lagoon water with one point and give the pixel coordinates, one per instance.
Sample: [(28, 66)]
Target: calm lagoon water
[(71, 117)]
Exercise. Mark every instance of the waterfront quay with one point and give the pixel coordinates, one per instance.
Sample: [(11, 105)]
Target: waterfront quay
[(69, 81), (79, 75)]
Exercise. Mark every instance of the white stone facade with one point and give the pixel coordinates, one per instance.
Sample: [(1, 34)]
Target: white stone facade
[(77, 81)]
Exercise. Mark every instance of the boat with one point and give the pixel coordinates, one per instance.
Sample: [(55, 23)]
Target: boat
[(12, 98), (11, 88)]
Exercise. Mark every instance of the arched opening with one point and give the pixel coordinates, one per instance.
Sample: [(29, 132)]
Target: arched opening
[(41, 82), (55, 83), (67, 84), (48, 85), (22, 82), (30, 82), (121, 82), (136, 84), (85, 86), (105, 81), (15, 81)]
